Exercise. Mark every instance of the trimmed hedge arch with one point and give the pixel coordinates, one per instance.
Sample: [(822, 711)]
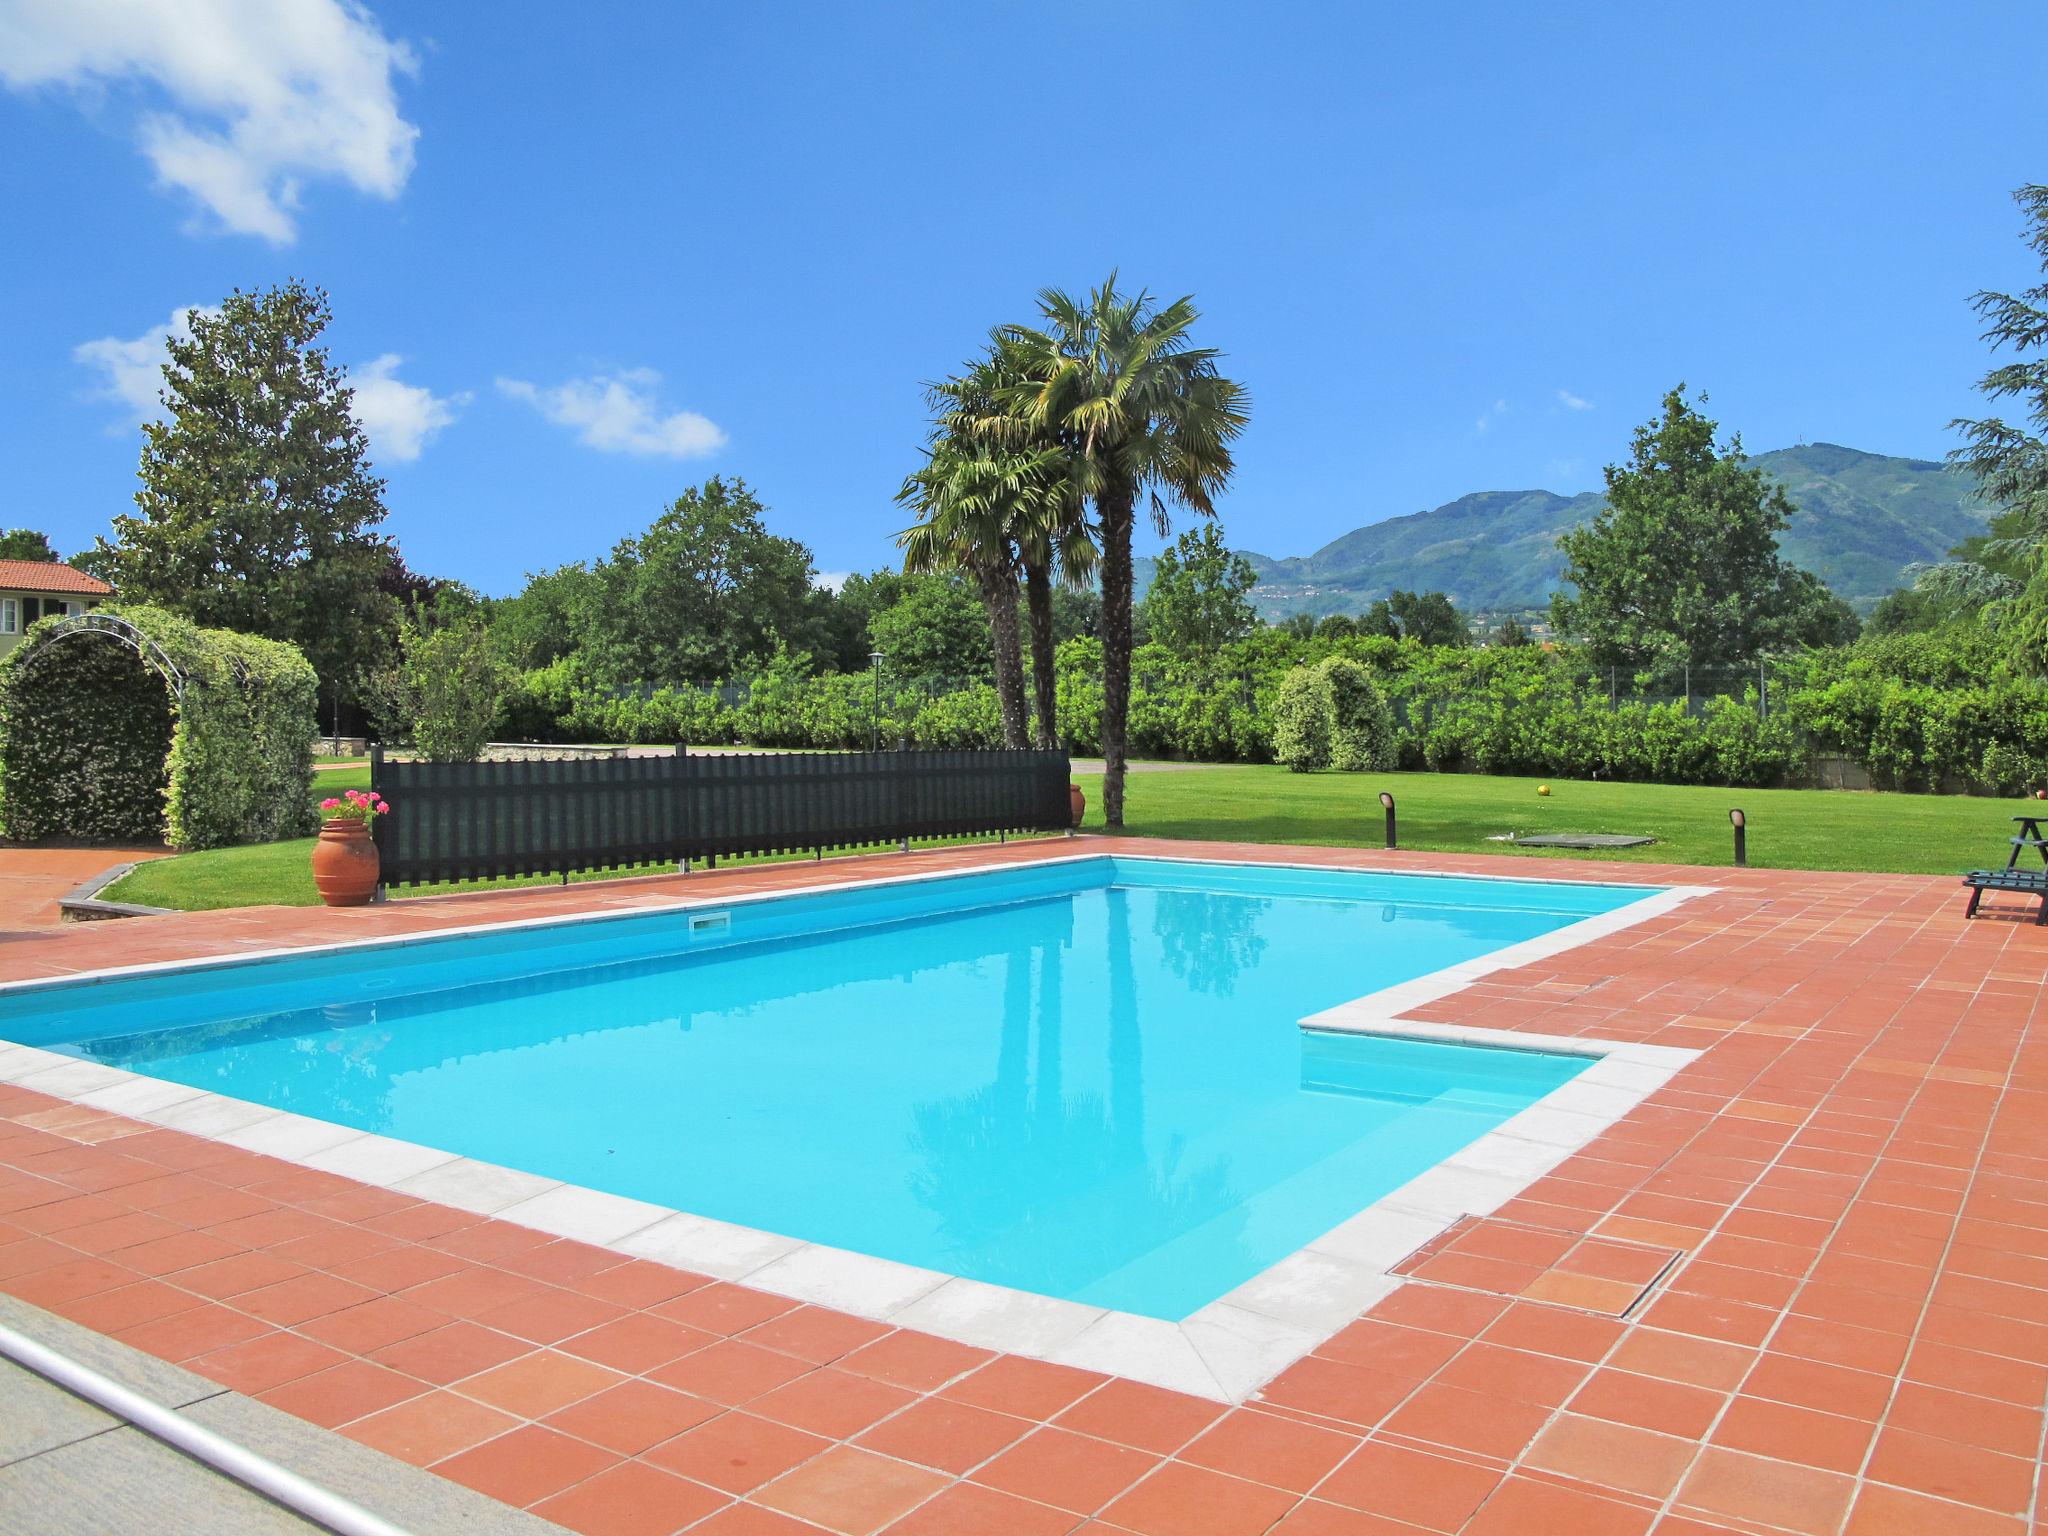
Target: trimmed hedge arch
[(130, 724)]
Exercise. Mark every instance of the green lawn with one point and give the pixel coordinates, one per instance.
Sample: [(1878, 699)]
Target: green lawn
[(1458, 813), (1442, 812)]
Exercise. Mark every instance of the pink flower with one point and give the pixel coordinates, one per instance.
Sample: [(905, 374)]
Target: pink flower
[(330, 804), (382, 807)]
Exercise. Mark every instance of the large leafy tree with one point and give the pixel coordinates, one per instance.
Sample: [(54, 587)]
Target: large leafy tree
[(258, 509), (936, 632), (2008, 453), (1682, 562), (1197, 601), (1141, 413), (704, 594), (26, 544)]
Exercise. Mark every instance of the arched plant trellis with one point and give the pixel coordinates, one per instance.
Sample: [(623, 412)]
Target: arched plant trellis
[(131, 724)]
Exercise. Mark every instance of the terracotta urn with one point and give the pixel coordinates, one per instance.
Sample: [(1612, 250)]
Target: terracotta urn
[(1079, 802), (345, 862)]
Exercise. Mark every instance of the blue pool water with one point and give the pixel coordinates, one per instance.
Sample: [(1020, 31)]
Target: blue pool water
[(1084, 1079)]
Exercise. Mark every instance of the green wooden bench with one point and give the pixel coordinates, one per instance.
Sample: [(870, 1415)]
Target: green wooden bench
[(2013, 879)]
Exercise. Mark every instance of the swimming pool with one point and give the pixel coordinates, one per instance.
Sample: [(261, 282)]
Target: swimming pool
[(1084, 1079)]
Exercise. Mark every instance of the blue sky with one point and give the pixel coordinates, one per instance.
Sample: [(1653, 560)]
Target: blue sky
[(583, 257)]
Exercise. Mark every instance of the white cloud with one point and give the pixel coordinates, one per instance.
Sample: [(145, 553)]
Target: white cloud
[(400, 418), (1572, 402), (1491, 414), (251, 97), (132, 371), (832, 581), (617, 413)]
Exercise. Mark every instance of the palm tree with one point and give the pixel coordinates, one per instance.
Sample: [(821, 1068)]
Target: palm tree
[(1051, 530), (970, 497), (1140, 412)]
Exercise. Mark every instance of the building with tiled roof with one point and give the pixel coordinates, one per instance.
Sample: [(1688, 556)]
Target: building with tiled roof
[(36, 589)]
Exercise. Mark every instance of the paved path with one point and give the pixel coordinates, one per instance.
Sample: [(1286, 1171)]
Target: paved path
[(1844, 1201), (33, 880)]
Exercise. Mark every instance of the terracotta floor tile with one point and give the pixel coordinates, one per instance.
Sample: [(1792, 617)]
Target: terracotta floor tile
[(1463, 1313), (1515, 1373), (399, 1269), (186, 1335), (1814, 1384), (1648, 1402), (301, 1299), (1068, 1471), (1312, 1517), (1767, 1491), (536, 1385), (1801, 1435), (1610, 1455), (550, 1317), (816, 1334), (1437, 1493), (449, 1354), (1554, 1331), (343, 1393), (1266, 1448), (851, 1492), (374, 1324), (641, 1283), (938, 1432), (743, 1519), (1522, 1506), (1033, 1389), (631, 1499), (736, 1451), (637, 1343), (1966, 1474), (472, 1291), (730, 1372), (526, 1465), (1882, 1511), (831, 1402), (724, 1309), (918, 1361), (1179, 1500), (968, 1509), (430, 1428), (1351, 1394), (631, 1417), (180, 1250), (1965, 1418), (238, 1274), (128, 1306), (1398, 1350), (1468, 1421), (1148, 1418), (264, 1362)]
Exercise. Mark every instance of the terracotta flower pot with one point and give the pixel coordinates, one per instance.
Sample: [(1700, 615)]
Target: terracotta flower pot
[(345, 862), (1079, 802)]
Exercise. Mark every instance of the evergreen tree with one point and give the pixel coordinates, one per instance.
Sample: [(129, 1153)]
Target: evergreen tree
[(257, 509)]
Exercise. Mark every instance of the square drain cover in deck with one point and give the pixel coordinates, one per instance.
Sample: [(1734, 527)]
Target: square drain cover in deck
[(1510, 1258)]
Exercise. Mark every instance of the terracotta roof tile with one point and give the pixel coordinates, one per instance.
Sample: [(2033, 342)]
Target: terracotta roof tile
[(48, 576)]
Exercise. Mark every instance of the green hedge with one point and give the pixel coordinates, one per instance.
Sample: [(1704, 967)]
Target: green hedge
[(1920, 712), (94, 747)]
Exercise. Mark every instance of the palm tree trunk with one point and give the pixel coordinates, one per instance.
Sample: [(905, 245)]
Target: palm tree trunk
[(1038, 604), (999, 592), (1114, 504)]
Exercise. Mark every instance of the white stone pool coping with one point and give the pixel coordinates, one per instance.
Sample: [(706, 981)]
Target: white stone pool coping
[(1224, 1351)]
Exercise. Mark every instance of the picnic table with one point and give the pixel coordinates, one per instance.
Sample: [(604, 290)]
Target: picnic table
[(2020, 882)]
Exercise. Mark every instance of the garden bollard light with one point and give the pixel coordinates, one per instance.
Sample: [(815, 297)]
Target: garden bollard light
[(1741, 824), (1388, 801)]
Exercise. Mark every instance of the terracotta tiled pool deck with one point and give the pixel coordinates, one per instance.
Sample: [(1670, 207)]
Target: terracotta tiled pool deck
[(1840, 1210)]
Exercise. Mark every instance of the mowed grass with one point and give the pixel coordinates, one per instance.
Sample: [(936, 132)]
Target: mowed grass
[(1459, 813), (1448, 813)]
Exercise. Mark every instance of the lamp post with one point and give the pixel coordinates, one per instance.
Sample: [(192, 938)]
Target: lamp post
[(875, 711)]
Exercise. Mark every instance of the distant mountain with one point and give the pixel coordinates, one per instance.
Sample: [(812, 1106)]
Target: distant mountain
[(1862, 518)]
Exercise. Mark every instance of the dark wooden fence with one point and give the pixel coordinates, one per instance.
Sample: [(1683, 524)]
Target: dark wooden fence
[(476, 821)]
